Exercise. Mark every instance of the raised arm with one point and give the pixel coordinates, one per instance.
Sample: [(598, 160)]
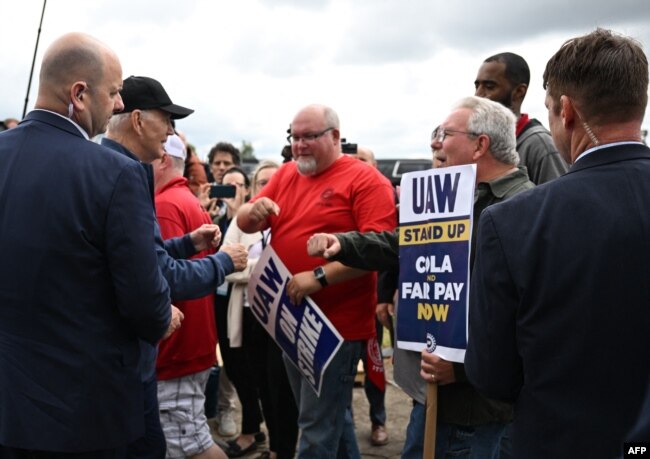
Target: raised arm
[(253, 217)]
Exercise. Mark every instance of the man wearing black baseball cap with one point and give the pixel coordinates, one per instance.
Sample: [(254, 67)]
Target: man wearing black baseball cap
[(146, 121), (145, 93), (140, 132)]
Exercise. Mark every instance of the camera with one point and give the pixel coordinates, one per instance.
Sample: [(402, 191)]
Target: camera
[(348, 148), (223, 191)]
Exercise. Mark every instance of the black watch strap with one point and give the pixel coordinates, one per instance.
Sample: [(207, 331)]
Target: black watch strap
[(319, 274)]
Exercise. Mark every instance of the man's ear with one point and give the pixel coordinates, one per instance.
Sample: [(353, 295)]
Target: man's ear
[(482, 146), (336, 136), (519, 93), (136, 120), (165, 161), (76, 94), (567, 112)]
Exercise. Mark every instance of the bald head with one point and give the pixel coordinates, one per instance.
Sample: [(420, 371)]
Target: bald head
[(366, 155), (80, 78), (316, 142), (72, 57)]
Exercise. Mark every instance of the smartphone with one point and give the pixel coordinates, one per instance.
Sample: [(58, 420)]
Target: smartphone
[(222, 191)]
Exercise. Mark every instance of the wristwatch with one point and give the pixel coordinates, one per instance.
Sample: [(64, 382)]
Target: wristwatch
[(319, 274)]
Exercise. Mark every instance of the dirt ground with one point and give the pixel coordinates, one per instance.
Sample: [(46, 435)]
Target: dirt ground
[(398, 409)]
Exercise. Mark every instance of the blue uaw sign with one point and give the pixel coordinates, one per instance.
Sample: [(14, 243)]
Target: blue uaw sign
[(434, 244), (302, 331)]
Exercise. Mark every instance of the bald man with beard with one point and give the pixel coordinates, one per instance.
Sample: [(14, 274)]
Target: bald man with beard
[(79, 277)]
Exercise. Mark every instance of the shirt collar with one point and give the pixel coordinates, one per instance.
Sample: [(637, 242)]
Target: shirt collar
[(600, 147), (82, 130), (173, 183), (501, 185)]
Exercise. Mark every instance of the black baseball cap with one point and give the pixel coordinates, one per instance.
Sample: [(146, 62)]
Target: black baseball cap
[(144, 93)]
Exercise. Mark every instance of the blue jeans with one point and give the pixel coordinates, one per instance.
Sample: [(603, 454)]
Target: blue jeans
[(414, 441), (477, 442), (325, 422), (505, 446)]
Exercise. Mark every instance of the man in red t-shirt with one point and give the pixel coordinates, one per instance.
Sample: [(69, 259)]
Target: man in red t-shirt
[(185, 358), (324, 191)]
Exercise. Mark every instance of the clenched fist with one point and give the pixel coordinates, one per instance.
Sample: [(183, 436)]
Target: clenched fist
[(238, 254), (323, 245), (175, 324), (262, 208)]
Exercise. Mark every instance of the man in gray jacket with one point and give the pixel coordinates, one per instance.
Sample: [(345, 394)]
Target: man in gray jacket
[(504, 78)]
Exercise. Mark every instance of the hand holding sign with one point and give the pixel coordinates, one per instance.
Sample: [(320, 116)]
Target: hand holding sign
[(436, 369), (302, 285), (303, 332)]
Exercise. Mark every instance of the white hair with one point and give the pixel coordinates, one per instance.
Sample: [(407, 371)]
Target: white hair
[(497, 122)]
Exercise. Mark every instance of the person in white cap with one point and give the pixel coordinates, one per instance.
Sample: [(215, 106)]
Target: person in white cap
[(184, 360)]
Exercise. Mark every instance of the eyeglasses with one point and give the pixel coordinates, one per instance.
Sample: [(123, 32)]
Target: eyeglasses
[(308, 138), (438, 135)]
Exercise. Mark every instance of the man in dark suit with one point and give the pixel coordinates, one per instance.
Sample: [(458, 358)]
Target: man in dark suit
[(560, 299), (139, 132), (79, 277)]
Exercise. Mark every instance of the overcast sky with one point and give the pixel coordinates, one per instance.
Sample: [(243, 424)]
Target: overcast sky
[(390, 68)]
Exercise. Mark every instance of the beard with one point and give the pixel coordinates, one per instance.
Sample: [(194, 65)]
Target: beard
[(506, 100), (306, 166)]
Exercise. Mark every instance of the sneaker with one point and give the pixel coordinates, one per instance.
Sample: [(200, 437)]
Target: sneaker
[(378, 436), (227, 426)]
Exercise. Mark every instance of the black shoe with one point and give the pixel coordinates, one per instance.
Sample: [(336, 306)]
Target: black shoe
[(234, 450)]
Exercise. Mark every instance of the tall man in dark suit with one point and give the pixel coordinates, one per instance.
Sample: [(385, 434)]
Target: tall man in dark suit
[(79, 277), (560, 299)]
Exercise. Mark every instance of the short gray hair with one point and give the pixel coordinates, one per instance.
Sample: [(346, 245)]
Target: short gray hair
[(331, 118), (497, 122), (116, 123)]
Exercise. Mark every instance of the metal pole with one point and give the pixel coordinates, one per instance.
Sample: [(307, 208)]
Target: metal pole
[(31, 73)]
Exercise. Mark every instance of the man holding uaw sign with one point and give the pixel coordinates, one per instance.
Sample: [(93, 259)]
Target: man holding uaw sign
[(475, 165)]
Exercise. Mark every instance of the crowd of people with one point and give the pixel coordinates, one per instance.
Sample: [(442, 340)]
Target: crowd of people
[(115, 311)]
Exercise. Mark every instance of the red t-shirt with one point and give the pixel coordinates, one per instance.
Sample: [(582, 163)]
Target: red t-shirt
[(348, 196), (192, 347)]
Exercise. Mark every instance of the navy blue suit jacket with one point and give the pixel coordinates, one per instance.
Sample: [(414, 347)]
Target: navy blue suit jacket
[(187, 279), (560, 306), (79, 284)]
